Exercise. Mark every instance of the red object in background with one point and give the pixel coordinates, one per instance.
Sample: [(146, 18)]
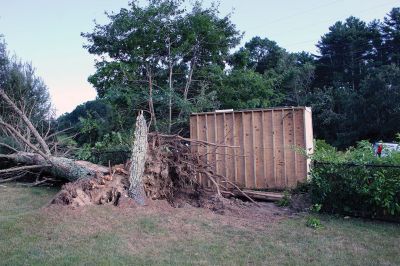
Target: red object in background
[(379, 151)]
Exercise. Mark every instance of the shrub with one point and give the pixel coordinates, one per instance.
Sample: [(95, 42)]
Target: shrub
[(355, 182)]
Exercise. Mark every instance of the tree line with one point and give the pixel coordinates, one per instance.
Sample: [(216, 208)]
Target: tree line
[(170, 61)]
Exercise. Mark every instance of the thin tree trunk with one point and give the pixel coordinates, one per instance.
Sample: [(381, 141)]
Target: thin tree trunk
[(189, 81), (190, 77), (170, 87), (151, 104)]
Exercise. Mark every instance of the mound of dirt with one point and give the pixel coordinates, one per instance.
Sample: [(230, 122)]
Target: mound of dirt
[(100, 190)]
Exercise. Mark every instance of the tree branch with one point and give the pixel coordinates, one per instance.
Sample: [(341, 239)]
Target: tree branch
[(27, 122), (27, 167), (8, 147), (27, 142)]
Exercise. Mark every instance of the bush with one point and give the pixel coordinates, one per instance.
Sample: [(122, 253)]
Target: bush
[(356, 182)]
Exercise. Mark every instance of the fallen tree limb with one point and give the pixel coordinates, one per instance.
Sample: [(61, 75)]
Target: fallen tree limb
[(241, 191), (60, 167), (14, 178), (21, 168)]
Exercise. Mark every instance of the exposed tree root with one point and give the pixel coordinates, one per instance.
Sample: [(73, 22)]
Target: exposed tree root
[(171, 172)]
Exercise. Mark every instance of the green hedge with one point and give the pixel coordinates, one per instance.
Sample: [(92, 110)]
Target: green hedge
[(356, 182)]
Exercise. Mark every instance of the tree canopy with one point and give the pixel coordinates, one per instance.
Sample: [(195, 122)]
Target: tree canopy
[(170, 60)]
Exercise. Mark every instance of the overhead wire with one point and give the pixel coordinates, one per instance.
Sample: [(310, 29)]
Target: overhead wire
[(323, 21)]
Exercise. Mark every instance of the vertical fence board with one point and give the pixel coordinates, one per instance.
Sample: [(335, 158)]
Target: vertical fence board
[(240, 158), (274, 156), (309, 136), (258, 150), (294, 144), (289, 149), (268, 138), (202, 135), (230, 152), (279, 157), (300, 143), (248, 149), (220, 139)]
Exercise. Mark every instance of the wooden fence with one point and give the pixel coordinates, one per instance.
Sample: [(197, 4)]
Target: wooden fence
[(267, 143)]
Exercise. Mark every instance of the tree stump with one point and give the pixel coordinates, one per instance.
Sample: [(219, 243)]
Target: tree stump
[(138, 160)]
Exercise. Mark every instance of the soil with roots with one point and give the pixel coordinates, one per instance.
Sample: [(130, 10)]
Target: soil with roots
[(170, 175)]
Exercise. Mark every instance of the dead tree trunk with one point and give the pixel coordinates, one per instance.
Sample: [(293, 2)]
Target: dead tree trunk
[(138, 159), (67, 169)]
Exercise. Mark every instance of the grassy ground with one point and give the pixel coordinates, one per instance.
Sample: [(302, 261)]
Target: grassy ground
[(32, 235)]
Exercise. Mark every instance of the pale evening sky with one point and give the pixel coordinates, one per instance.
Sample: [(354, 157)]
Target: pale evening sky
[(47, 32)]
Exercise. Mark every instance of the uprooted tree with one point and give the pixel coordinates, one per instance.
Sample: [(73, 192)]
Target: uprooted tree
[(161, 166)]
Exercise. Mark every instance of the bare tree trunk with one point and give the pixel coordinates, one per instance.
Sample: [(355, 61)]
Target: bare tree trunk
[(170, 87), (61, 167), (190, 77), (189, 81), (151, 104), (138, 161)]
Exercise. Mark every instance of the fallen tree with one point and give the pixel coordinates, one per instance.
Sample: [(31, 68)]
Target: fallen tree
[(161, 167)]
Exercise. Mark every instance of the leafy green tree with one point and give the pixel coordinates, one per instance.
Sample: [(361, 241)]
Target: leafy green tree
[(259, 55), (160, 54), (289, 75), (243, 89)]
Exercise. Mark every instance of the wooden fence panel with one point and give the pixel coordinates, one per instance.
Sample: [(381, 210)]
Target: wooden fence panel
[(268, 143)]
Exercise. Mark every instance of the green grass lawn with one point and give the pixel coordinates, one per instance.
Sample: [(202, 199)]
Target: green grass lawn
[(106, 235)]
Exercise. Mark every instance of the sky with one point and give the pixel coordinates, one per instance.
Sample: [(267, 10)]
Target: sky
[(47, 32)]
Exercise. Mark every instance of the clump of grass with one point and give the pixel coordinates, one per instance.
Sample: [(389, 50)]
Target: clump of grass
[(316, 208), (313, 222), (285, 201)]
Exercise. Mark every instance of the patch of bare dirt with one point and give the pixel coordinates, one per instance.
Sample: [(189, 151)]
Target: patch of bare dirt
[(300, 202)]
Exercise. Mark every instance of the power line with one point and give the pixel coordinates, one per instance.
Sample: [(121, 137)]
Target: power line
[(319, 22), (298, 13), (323, 21)]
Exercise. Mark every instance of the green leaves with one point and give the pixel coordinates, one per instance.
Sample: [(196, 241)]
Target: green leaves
[(162, 55), (349, 183), (243, 89)]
